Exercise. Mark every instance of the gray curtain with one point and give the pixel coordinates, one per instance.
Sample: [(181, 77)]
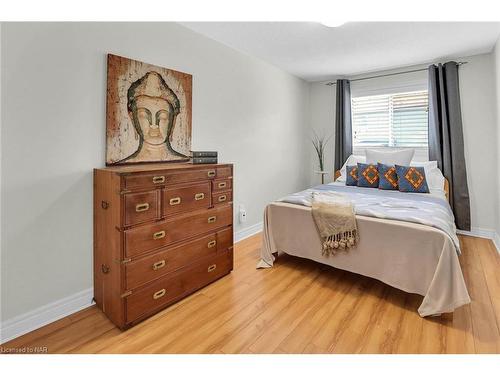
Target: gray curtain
[(343, 127), (446, 141)]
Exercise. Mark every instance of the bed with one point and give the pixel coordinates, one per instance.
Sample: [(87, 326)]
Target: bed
[(411, 256)]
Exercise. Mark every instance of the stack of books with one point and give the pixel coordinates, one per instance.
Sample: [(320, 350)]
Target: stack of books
[(204, 157)]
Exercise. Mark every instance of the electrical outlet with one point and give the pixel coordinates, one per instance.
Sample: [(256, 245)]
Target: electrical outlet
[(243, 214)]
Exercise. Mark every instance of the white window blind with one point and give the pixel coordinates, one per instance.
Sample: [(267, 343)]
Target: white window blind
[(391, 120)]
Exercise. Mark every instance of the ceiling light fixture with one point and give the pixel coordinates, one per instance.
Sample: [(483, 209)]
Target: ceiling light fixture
[(332, 23)]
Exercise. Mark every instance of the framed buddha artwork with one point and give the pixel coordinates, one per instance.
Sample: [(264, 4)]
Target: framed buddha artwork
[(148, 113)]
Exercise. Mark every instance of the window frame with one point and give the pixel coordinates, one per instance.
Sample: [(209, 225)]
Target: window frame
[(421, 153)]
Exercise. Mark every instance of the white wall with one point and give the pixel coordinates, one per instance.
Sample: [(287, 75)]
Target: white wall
[(0, 171), (477, 92), (53, 135), (496, 55), (322, 121)]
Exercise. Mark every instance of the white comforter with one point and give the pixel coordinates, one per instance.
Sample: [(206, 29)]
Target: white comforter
[(415, 208)]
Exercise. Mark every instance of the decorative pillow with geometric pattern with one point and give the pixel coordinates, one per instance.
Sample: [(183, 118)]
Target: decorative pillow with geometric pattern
[(388, 178), (352, 175), (412, 179), (367, 175)]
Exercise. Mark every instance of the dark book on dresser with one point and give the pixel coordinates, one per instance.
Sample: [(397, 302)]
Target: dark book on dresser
[(204, 154), (205, 160)]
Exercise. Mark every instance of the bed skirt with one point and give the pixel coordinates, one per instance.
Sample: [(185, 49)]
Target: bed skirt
[(412, 257)]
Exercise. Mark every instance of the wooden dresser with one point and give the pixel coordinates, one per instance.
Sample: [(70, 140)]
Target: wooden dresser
[(161, 232)]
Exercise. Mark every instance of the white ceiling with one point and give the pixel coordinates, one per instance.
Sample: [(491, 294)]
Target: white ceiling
[(315, 52)]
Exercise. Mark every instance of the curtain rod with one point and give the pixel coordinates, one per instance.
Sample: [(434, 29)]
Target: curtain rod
[(391, 74)]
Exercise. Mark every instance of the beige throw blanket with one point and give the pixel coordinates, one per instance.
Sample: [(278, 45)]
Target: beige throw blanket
[(334, 216)]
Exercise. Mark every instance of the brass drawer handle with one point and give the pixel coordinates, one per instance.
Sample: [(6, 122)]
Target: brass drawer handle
[(212, 267), (158, 179), (159, 294), (142, 207), (212, 219), (211, 174), (174, 201), (222, 185), (158, 265), (158, 235), (222, 198), (212, 244), (199, 196)]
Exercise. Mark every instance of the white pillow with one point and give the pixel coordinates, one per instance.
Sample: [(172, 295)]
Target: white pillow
[(351, 160), (427, 164), (400, 157)]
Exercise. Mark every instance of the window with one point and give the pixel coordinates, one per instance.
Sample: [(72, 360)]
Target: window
[(390, 120)]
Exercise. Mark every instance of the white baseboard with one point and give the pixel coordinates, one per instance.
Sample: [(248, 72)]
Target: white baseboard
[(47, 314), (247, 232), (496, 241), (483, 233), (22, 324)]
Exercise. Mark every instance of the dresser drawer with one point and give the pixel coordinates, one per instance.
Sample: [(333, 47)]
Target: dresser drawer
[(160, 178), (207, 271), (170, 288), (154, 236), (224, 172), (165, 261), (222, 185), (152, 297), (225, 239), (186, 198), (144, 180), (141, 207), (191, 175), (222, 198)]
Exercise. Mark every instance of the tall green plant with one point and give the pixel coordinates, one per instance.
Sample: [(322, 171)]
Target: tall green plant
[(319, 143)]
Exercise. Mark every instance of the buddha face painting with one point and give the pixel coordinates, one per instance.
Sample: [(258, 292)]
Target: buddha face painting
[(153, 109)]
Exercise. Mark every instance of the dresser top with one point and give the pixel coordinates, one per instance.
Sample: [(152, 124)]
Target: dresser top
[(146, 167)]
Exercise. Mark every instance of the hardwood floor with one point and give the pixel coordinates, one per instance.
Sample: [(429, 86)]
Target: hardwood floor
[(296, 307)]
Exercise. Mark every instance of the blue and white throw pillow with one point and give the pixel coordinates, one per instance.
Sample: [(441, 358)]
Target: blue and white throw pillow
[(367, 175), (388, 177), (352, 175), (412, 179)]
